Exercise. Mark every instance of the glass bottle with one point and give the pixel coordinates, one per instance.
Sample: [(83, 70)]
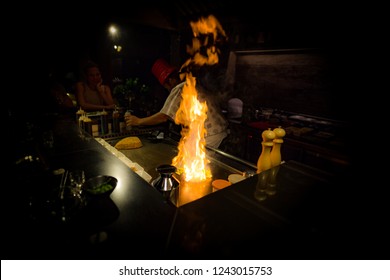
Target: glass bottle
[(115, 121), (127, 113)]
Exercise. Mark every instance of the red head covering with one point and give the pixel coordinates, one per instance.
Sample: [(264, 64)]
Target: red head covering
[(161, 69)]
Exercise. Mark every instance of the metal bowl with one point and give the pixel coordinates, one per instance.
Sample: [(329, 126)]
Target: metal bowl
[(102, 185)]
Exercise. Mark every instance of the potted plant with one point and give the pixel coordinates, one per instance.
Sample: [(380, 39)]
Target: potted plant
[(131, 93)]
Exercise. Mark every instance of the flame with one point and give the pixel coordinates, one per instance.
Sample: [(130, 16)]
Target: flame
[(192, 114), (191, 160), (209, 26)]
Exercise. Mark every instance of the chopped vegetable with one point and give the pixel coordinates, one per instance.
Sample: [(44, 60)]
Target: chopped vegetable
[(101, 189)]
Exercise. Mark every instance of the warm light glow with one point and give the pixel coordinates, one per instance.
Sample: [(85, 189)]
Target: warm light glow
[(114, 33), (118, 48), (190, 191), (113, 30), (191, 161)]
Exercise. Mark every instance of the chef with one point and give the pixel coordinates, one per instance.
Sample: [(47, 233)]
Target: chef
[(168, 76)]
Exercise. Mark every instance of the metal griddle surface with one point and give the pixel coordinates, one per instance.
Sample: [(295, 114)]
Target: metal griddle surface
[(157, 152)]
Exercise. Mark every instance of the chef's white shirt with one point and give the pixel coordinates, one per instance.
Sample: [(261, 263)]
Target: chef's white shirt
[(215, 124)]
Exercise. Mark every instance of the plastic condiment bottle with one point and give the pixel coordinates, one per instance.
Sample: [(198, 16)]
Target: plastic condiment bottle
[(79, 113), (87, 125), (81, 121), (264, 161)]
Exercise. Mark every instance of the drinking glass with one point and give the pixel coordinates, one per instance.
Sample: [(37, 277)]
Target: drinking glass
[(74, 199), (77, 179)]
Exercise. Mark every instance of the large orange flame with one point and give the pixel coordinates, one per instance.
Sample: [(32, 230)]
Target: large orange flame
[(191, 161), (192, 113)]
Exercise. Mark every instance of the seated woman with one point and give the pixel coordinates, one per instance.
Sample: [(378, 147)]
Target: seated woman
[(92, 94)]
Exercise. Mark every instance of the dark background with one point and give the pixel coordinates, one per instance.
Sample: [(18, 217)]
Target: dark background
[(151, 29), (67, 34)]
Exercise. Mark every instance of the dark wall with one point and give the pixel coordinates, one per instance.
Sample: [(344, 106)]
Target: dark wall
[(305, 81)]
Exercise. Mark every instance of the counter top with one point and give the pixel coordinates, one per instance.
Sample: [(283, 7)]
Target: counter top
[(328, 134), (135, 221), (288, 212), (319, 143)]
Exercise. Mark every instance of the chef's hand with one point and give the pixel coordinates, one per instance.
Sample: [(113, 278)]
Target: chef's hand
[(132, 120)]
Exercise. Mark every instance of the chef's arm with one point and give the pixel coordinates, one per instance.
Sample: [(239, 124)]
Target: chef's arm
[(157, 118)]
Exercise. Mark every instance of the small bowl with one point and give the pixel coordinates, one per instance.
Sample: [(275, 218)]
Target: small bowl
[(102, 185), (235, 178)]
